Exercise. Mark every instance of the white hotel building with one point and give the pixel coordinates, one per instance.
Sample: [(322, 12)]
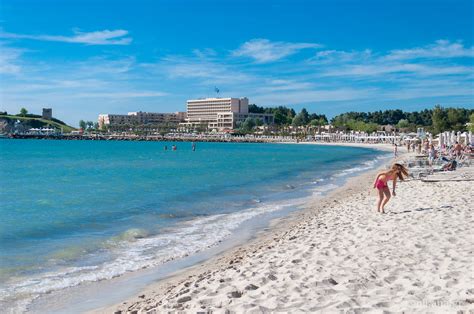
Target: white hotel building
[(221, 113), (140, 119)]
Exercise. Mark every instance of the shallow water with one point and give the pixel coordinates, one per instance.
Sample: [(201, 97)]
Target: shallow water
[(76, 211)]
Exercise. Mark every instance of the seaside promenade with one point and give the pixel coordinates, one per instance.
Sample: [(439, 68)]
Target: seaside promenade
[(339, 254)]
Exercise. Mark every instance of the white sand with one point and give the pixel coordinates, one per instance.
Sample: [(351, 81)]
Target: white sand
[(341, 255)]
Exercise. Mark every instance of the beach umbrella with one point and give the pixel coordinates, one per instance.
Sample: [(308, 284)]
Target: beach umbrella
[(466, 138), (440, 140)]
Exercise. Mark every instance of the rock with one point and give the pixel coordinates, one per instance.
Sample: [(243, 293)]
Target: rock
[(272, 277), (251, 287), (292, 238), (330, 281), (381, 304), (236, 294), (142, 296), (296, 261), (184, 299)]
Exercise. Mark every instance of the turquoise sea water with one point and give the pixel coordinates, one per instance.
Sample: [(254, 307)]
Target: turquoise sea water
[(75, 211)]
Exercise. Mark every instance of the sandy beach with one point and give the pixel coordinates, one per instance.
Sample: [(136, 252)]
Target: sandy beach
[(341, 255)]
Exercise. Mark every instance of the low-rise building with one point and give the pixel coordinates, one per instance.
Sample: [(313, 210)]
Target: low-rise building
[(140, 120)]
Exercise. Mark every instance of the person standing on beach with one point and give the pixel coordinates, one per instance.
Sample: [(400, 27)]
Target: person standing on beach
[(431, 155), (397, 171), (395, 150), (458, 150)]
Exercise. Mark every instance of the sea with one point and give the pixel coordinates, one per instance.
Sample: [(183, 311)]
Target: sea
[(73, 212)]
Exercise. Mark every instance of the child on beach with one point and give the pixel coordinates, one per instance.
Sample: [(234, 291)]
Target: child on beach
[(397, 171)]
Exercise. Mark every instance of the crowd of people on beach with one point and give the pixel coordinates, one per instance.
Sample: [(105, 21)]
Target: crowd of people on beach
[(448, 156)]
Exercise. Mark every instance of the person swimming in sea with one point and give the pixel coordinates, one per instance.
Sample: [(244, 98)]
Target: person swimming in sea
[(397, 171)]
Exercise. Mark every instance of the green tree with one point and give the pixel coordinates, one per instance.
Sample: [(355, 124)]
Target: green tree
[(403, 124), (82, 124), (90, 124), (457, 119), (23, 112), (439, 118), (301, 118), (471, 121), (297, 120), (304, 116), (256, 109), (248, 125)]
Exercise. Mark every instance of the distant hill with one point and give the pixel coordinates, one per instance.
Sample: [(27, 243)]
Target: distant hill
[(7, 123)]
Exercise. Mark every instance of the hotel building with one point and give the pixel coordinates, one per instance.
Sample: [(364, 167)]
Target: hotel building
[(221, 113), (140, 119)]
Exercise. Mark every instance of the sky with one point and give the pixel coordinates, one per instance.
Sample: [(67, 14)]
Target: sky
[(83, 58)]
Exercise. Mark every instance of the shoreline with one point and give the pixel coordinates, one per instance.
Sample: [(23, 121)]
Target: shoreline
[(80, 293), (277, 226), (208, 138), (339, 255)]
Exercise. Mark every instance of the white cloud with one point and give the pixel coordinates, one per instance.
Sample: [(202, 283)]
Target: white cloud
[(206, 71), (120, 95), (378, 69), (339, 56), (264, 50), (9, 60), (204, 53), (285, 85), (119, 84), (440, 49), (105, 37)]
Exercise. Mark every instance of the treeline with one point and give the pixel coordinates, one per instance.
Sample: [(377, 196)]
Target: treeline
[(285, 116), (88, 125), (435, 120)]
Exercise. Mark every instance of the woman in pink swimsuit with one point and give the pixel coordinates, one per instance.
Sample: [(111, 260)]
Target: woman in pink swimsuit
[(396, 172)]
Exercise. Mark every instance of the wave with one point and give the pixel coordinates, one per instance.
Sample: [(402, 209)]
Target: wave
[(367, 165), (136, 249)]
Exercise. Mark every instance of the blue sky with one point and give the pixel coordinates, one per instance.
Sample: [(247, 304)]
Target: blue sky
[(88, 57)]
